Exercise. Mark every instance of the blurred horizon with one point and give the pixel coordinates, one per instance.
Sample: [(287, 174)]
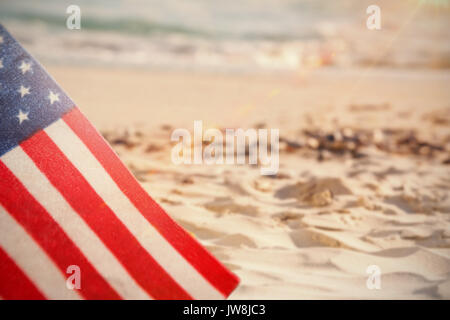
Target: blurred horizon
[(247, 35)]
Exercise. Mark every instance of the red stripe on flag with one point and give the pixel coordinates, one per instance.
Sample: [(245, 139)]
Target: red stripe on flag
[(14, 283), (27, 211), (102, 220), (211, 269)]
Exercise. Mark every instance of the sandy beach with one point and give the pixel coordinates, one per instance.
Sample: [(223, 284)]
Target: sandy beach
[(364, 174)]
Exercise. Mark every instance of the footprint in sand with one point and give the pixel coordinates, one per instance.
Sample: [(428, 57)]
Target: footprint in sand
[(317, 192), (225, 205)]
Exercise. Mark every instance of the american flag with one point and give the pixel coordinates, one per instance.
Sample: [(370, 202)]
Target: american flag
[(66, 200)]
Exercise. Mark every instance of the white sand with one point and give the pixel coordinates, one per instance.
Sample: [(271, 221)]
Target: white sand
[(386, 209)]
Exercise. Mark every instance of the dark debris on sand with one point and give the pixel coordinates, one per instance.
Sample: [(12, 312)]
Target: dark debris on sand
[(347, 141), (323, 144)]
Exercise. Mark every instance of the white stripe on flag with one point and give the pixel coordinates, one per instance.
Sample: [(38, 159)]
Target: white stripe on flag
[(157, 246), (78, 231), (33, 261)]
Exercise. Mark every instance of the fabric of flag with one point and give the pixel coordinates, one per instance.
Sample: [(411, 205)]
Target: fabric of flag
[(66, 199)]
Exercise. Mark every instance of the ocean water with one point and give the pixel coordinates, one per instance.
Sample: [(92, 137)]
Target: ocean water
[(244, 35)]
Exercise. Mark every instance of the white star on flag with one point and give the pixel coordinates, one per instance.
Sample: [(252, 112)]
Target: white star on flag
[(24, 91), (53, 97), (24, 67), (22, 116)]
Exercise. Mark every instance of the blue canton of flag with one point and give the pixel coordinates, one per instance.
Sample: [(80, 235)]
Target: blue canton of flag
[(30, 100)]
